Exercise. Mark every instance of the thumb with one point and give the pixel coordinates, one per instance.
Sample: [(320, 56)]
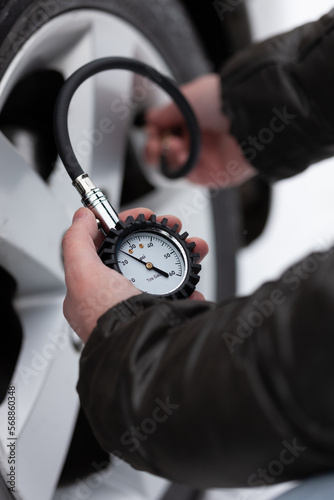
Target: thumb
[(79, 250), (167, 117)]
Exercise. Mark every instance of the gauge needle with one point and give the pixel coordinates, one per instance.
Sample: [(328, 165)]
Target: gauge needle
[(148, 265)]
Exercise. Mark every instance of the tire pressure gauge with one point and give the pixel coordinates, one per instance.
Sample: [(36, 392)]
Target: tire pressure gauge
[(152, 255)]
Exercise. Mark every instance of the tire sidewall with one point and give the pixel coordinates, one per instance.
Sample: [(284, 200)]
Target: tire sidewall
[(163, 22)]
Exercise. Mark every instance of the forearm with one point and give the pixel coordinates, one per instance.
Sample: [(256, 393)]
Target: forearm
[(209, 394), (279, 97)]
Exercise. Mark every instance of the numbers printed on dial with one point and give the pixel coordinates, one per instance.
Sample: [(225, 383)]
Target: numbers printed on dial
[(152, 262)]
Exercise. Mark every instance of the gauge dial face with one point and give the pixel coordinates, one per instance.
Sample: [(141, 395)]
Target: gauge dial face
[(153, 261)]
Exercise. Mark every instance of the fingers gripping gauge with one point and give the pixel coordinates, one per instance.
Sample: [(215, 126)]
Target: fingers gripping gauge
[(153, 256)]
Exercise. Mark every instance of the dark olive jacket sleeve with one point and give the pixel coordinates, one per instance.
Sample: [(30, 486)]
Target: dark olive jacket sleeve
[(216, 395), (279, 97)]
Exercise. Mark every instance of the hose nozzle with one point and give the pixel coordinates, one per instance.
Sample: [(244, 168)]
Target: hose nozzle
[(94, 199)]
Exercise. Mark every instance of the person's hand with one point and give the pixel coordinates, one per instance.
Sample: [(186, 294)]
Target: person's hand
[(92, 287), (221, 161)]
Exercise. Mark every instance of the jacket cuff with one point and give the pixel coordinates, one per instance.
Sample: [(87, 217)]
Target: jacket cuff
[(128, 310)]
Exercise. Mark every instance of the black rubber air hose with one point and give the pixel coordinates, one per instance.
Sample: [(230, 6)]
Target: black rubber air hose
[(69, 87)]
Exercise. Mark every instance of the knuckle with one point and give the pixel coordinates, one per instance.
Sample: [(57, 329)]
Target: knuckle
[(67, 239)]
